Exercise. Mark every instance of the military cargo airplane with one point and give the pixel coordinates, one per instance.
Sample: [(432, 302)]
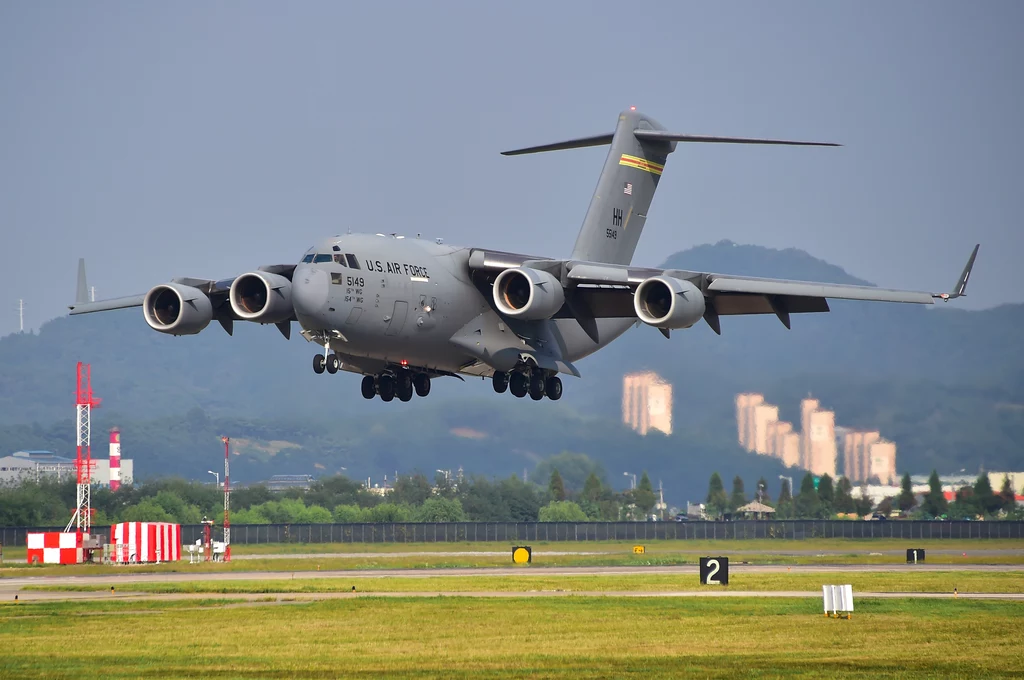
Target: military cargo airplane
[(402, 311)]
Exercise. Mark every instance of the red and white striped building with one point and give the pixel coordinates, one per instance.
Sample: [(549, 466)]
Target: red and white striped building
[(139, 542), (55, 547)]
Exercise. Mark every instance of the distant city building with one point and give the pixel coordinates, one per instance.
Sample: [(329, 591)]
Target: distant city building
[(646, 402), (282, 482), (777, 432), (882, 466), (807, 407), (37, 465), (790, 450), (1016, 482), (765, 417), (821, 445), (857, 454), (745, 404)]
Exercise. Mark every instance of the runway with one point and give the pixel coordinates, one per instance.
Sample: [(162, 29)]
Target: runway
[(11, 587), (989, 552)]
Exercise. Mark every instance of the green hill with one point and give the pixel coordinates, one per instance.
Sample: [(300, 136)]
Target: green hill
[(946, 384)]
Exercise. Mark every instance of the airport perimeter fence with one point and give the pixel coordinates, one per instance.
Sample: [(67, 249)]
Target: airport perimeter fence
[(523, 532)]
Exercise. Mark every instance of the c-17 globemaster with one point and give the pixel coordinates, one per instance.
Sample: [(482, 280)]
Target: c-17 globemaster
[(401, 311)]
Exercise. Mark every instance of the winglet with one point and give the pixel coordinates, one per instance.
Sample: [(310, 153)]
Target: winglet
[(82, 294), (960, 289)]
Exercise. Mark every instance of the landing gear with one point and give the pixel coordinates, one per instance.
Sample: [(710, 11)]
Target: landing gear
[(537, 386), (422, 384), (333, 363), (518, 384), (319, 364), (553, 388), (403, 385), (525, 380), (368, 387), (386, 387)]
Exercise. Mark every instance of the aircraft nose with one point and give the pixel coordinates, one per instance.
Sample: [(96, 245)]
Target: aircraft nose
[(309, 291)]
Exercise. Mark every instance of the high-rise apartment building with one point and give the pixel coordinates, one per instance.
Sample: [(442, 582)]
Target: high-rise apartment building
[(857, 455), (807, 407), (882, 465), (765, 415), (647, 402), (745, 405), (822, 443)]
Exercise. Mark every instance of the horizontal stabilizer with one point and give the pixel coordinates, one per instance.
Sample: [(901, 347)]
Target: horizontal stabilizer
[(582, 142), (664, 136)]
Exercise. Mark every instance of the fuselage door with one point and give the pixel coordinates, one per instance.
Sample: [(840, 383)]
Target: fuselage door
[(397, 322)]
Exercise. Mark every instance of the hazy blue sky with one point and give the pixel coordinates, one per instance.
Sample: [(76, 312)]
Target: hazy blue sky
[(205, 139)]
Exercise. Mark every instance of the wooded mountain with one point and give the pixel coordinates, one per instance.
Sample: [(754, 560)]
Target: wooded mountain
[(946, 384)]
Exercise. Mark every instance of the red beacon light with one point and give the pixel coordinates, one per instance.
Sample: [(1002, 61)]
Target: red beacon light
[(404, 362)]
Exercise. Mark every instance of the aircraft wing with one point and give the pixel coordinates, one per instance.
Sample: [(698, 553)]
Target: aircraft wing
[(602, 290)]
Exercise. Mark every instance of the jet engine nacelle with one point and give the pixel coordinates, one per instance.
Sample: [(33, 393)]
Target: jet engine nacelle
[(177, 309), (665, 302), (528, 294), (261, 297)]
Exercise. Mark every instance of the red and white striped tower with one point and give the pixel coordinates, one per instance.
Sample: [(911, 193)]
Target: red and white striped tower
[(227, 503), (85, 402), (115, 459)]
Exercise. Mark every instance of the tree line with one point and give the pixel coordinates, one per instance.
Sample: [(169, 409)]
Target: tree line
[(413, 498), (825, 498)]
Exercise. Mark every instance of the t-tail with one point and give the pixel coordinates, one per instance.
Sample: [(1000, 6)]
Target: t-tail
[(618, 210)]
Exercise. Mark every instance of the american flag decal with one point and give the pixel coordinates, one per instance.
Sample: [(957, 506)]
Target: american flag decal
[(627, 189)]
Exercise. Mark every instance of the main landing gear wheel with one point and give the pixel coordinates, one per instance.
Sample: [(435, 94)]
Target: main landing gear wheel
[(422, 384), (319, 363), (403, 386), (518, 384), (333, 363), (537, 386), (553, 388), (500, 381), (386, 387), (368, 387)]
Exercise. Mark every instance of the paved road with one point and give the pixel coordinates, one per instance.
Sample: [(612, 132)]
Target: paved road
[(271, 598), (8, 587), (990, 552)]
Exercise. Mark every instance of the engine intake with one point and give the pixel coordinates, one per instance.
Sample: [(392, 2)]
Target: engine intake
[(666, 302), (261, 297), (528, 294), (177, 309)]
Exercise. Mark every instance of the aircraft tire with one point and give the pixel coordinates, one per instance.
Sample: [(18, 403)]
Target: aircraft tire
[(518, 385), (500, 381), (403, 387), (333, 364), (553, 388), (537, 386), (386, 387), (368, 388), (319, 364), (422, 384)]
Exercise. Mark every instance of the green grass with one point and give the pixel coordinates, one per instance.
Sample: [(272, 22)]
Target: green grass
[(658, 553), (576, 637), (900, 582)]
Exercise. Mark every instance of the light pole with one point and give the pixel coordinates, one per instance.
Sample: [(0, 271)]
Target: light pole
[(790, 480), (633, 481), (217, 475)]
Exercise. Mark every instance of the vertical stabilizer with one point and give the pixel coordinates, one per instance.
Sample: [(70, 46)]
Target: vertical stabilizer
[(618, 210), (82, 294), (632, 170)]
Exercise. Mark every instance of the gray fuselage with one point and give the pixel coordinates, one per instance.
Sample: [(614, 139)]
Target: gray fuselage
[(415, 302)]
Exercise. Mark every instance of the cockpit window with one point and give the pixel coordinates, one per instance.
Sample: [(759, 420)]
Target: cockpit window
[(339, 258), (308, 258), (322, 257), (352, 261)]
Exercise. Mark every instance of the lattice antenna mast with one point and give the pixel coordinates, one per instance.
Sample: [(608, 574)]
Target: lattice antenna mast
[(85, 402), (227, 502)]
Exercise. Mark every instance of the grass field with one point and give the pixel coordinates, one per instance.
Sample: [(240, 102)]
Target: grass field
[(306, 557), (902, 582), (576, 637)]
